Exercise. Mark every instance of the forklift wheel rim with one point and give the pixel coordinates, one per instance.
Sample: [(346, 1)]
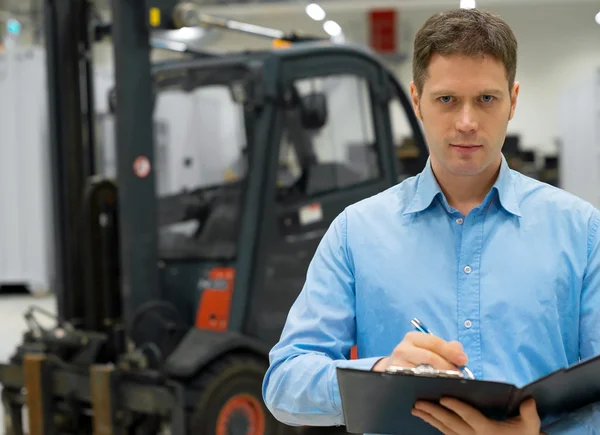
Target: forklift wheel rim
[(248, 406)]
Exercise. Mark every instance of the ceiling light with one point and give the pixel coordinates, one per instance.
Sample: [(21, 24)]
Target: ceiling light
[(332, 28), (315, 11), (467, 4), (598, 17)]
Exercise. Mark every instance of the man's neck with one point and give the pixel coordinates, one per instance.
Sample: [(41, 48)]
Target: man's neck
[(466, 192)]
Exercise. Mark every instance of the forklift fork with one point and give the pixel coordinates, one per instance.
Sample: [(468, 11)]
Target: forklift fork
[(103, 379), (37, 373)]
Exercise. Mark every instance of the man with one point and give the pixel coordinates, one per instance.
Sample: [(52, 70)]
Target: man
[(503, 267)]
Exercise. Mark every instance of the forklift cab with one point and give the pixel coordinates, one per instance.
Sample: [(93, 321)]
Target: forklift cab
[(275, 146)]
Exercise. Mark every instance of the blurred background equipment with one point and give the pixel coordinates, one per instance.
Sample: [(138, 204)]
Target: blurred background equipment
[(579, 114), (26, 260)]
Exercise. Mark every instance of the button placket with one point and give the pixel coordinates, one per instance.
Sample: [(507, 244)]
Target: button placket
[(468, 287)]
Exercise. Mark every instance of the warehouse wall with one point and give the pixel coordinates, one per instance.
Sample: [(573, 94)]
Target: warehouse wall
[(558, 46)]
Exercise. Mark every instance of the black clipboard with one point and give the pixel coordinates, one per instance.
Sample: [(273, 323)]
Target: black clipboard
[(381, 403)]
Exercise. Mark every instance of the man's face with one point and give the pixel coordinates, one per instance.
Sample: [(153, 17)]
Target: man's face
[(465, 108)]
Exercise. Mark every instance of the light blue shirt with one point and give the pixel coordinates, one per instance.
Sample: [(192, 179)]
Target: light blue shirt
[(516, 281)]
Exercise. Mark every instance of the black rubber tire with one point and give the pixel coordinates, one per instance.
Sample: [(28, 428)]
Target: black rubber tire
[(228, 377)]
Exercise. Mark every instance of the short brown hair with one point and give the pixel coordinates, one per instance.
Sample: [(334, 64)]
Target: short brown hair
[(471, 32)]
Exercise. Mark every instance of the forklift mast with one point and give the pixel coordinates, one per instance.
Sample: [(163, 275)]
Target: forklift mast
[(69, 38), (71, 142), (135, 156)]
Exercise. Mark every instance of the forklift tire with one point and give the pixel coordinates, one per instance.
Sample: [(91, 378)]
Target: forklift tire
[(230, 401)]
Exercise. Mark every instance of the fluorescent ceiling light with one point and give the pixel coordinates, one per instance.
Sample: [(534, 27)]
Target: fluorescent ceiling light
[(315, 11), (467, 4), (332, 28)]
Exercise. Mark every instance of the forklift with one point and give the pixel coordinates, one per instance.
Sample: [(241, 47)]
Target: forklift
[(170, 298)]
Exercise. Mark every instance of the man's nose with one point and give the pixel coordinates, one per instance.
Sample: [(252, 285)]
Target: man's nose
[(467, 120)]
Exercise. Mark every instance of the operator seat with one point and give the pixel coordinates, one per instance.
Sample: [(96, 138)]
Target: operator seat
[(219, 234), (315, 176)]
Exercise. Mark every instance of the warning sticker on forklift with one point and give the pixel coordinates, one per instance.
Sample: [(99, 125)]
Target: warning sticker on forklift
[(141, 166), (309, 214)]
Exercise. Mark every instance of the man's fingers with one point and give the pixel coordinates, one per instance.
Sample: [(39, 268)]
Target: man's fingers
[(451, 351), (427, 418), (448, 418), (470, 415), (416, 355), (529, 412)]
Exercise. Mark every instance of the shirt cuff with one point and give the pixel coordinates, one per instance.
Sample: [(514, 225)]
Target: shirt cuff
[(357, 364)]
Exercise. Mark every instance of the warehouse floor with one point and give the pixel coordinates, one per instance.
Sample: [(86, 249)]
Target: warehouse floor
[(12, 308)]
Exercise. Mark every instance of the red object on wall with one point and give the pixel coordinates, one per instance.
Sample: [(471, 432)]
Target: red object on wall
[(383, 30)]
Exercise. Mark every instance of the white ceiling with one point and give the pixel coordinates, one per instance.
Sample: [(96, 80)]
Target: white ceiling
[(259, 7), (292, 6)]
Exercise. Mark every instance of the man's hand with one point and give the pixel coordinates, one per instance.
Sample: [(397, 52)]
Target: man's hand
[(417, 348), (457, 418)]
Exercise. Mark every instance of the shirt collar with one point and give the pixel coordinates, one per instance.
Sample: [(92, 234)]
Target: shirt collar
[(428, 188)]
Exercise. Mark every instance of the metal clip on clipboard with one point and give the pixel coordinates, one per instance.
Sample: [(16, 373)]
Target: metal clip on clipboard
[(427, 371)]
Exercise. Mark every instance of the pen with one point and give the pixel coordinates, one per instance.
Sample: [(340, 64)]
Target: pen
[(419, 326)]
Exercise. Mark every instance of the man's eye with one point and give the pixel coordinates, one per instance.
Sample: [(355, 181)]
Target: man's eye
[(445, 99), (487, 98)]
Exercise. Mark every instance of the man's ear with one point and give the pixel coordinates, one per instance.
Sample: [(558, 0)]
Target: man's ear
[(414, 97), (513, 99)]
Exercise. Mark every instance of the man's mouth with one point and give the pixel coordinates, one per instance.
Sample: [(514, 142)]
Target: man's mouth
[(465, 148)]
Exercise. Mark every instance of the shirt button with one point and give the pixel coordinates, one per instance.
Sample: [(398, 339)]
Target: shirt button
[(468, 269), (468, 323), (460, 221)]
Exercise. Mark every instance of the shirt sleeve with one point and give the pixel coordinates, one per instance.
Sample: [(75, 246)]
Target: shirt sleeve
[(587, 420), (300, 386)]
